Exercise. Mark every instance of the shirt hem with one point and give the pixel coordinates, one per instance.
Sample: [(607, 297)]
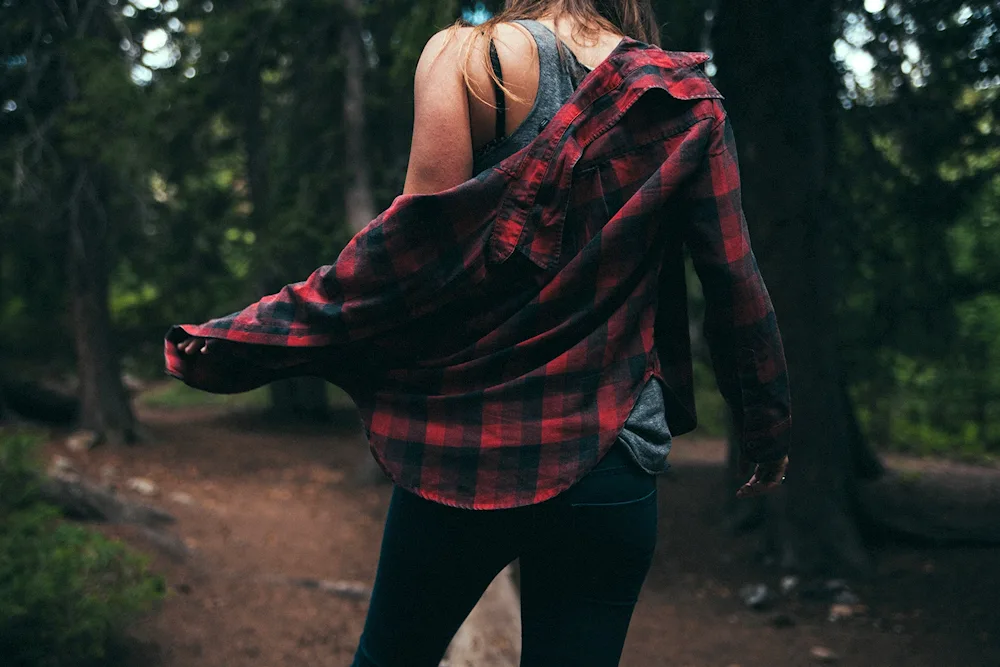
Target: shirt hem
[(539, 497)]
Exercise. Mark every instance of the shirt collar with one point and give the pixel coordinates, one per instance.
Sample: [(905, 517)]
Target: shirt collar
[(609, 91)]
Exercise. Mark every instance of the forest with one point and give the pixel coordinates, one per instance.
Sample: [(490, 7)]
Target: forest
[(168, 161)]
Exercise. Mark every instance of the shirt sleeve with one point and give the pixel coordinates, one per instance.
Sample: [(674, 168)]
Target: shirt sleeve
[(419, 261), (740, 326)]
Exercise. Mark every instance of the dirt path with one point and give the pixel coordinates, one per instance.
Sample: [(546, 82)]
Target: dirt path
[(263, 503)]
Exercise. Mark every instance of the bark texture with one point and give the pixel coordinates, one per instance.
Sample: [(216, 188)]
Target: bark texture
[(359, 204), (773, 59), (297, 397), (82, 500), (105, 407)]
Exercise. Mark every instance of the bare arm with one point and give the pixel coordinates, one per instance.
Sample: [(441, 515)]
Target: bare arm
[(441, 150)]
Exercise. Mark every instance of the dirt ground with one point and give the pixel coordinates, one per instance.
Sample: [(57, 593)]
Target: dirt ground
[(267, 502)]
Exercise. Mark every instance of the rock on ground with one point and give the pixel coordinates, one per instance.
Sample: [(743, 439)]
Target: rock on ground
[(82, 441), (491, 635), (142, 486)]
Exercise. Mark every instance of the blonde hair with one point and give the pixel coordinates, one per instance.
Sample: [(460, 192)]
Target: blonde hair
[(629, 18)]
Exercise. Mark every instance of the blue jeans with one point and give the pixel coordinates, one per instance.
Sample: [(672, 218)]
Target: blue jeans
[(583, 555)]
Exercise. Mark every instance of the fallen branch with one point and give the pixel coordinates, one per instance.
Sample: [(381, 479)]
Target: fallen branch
[(168, 543), (937, 506), (84, 501), (79, 499), (36, 401)]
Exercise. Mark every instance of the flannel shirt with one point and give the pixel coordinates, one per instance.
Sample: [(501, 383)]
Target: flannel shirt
[(495, 336)]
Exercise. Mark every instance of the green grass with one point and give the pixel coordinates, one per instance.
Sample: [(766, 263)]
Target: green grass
[(177, 395), (67, 593)]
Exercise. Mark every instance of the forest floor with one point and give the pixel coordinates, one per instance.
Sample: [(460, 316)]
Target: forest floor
[(258, 503)]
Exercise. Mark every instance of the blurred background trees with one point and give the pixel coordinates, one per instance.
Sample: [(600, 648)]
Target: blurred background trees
[(168, 161)]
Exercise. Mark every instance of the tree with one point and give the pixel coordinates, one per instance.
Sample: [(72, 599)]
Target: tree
[(915, 236), (73, 167), (104, 404), (774, 67), (359, 205), (299, 396), (870, 265)]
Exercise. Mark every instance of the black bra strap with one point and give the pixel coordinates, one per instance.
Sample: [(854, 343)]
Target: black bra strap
[(501, 125)]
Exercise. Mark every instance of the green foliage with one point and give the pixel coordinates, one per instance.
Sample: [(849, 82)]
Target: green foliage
[(918, 206), (712, 412), (175, 395), (194, 231), (66, 592), (18, 471)]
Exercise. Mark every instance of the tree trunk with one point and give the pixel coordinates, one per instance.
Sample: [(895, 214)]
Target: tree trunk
[(104, 404), (297, 397), (3, 404), (774, 67), (359, 204)]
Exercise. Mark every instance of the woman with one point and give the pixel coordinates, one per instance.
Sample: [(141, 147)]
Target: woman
[(538, 436)]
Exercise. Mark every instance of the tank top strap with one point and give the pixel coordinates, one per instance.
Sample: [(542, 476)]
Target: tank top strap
[(545, 40), (556, 83), (556, 60)]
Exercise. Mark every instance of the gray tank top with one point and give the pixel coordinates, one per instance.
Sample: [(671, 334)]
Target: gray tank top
[(645, 435)]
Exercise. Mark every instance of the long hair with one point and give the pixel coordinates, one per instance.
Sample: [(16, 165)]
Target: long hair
[(629, 18)]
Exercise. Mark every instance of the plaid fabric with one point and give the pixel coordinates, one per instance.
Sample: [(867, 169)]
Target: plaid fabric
[(495, 336)]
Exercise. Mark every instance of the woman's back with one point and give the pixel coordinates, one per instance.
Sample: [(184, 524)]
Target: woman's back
[(518, 121), (455, 116), (646, 435)]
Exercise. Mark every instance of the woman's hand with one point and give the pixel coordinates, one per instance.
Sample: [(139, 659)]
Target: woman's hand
[(192, 346), (766, 477)]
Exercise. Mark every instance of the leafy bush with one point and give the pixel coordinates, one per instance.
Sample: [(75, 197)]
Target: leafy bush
[(66, 592)]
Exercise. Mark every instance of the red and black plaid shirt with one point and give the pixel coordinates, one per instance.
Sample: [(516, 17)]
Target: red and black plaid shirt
[(495, 336)]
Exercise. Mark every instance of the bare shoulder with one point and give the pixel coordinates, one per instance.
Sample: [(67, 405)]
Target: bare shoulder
[(518, 56), (453, 50), (514, 41), (445, 49)]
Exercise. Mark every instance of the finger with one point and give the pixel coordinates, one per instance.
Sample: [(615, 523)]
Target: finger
[(747, 489), (755, 488), (770, 477), (771, 472)]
